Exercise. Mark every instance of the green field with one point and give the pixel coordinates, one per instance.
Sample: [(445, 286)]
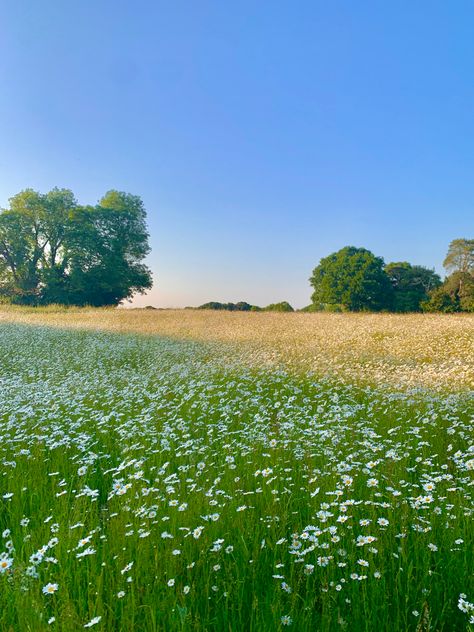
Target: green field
[(166, 484)]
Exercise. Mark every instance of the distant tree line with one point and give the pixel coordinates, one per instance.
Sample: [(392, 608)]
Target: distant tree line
[(354, 279), (242, 306), (52, 250)]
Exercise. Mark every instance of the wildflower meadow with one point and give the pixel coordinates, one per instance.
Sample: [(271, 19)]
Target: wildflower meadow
[(210, 478)]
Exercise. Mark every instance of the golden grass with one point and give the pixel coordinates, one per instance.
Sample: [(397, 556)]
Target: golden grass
[(419, 350)]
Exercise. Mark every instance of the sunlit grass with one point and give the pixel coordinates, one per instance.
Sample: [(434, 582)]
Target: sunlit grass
[(399, 350)]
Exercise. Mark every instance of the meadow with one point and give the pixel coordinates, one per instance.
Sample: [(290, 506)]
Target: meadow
[(194, 471)]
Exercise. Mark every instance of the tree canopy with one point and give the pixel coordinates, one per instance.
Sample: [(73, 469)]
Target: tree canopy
[(52, 250), (242, 306), (284, 306), (352, 279), (460, 257), (411, 285), (456, 294)]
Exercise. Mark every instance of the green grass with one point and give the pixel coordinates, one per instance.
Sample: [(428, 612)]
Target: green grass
[(275, 467)]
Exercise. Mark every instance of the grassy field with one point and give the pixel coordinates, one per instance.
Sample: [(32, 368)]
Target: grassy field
[(182, 470), (401, 351)]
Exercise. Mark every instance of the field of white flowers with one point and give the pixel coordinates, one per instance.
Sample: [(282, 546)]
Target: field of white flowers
[(156, 483)]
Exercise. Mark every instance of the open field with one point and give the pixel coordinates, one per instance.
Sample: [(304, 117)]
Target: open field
[(402, 351), (199, 478)]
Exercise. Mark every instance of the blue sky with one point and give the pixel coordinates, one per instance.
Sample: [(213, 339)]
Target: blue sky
[(261, 135)]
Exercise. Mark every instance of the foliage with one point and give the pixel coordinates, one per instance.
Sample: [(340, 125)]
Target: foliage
[(457, 292), (284, 306), (455, 295), (241, 306), (353, 278), (54, 251), (312, 307), (460, 257), (411, 285)]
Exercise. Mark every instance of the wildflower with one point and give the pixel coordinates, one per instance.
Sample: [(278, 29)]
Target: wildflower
[(92, 622), (197, 532), (5, 564), (464, 605), (89, 551), (286, 620), (49, 589), (36, 558), (126, 568)]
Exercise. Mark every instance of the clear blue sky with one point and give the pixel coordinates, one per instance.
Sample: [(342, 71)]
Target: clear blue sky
[(261, 135)]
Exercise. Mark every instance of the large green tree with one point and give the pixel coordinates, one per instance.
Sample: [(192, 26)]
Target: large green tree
[(54, 251), (411, 285), (352, 279)]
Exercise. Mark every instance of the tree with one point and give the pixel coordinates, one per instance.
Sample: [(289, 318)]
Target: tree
[(353, 279), (460, 257), (284, 306), (31, 232), (411, 285), (54, 251), (241, 306), (108, 246), (455, 295)]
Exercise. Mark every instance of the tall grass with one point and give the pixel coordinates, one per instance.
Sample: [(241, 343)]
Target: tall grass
[(163, 484)]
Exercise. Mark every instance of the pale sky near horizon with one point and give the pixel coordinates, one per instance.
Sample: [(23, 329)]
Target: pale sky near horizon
[(261, 135)]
